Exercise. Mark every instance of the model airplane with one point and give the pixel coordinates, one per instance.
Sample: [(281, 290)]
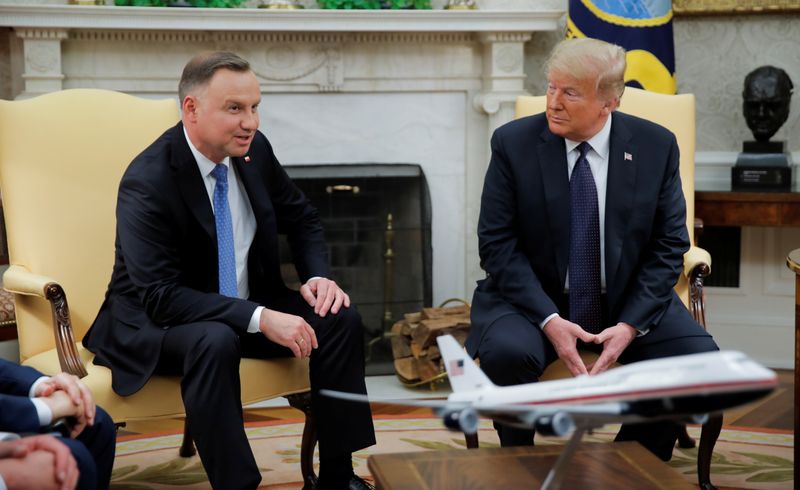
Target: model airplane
[(681, 387)]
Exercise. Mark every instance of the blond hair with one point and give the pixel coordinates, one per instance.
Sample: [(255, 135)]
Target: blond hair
[(587, 58)]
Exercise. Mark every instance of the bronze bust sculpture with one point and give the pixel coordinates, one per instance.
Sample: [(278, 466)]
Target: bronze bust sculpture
[(767, 93), (763, 165)]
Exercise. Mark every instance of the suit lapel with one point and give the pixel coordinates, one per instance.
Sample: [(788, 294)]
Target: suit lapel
[(256, 193), (261, 203), (190, 182), (620, 191), (555, 178)]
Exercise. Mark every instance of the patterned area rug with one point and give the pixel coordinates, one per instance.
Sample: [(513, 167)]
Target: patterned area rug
[(743, 458)]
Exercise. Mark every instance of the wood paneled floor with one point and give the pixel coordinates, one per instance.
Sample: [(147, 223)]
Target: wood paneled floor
[(773, 412)]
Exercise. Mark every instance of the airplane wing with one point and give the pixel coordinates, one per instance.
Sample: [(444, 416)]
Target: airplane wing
[(556, 420)]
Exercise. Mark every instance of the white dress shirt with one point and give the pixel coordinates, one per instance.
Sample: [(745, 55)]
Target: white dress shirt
[(242, 218)]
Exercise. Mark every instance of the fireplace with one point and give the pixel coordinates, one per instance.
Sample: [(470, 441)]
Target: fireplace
[(377, 220)]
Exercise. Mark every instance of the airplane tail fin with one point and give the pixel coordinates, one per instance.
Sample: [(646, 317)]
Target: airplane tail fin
[(464, 374)]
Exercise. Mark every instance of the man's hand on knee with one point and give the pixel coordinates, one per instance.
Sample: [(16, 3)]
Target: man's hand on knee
[(324, 295), (614, 340), (289, 331), (563, 334)]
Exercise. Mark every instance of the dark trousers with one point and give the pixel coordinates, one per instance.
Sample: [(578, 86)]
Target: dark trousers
[(93, 450), (207, 355), (514, 351)]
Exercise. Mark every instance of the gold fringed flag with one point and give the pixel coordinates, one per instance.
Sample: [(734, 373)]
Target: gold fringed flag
[(642, 27)]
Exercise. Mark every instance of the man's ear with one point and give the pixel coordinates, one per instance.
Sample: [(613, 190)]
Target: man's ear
[(190, 107), (610, 105)]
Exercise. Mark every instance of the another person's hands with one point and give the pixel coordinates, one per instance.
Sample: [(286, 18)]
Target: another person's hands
[(78, 394), (12, 449), (324, 295), (563, 334), (41, 463), (289, 331), (614, 340), (62, 406)]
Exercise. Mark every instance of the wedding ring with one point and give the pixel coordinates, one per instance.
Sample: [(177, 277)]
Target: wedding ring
[(301, 340)]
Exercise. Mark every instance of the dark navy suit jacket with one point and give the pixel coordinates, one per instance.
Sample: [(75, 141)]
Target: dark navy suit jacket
[(165, 269), (524, 225), (17, 412)]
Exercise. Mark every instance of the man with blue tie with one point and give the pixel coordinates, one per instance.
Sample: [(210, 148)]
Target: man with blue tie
[(196, 283), (582, 232)]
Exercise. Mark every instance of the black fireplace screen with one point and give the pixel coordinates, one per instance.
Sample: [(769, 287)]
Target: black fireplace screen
[(377, 220)]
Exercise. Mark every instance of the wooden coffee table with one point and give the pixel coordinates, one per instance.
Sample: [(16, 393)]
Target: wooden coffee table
[(619, 465)]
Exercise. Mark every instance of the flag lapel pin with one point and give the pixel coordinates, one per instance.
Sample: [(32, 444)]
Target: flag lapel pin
[(247, 158), (627, 157)]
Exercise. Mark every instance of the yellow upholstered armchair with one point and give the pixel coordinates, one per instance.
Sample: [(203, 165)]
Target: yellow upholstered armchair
[(61, 159), (676, 113)]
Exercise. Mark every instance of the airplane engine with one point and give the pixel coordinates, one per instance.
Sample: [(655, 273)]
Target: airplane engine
[(558, 424), (465, 420)]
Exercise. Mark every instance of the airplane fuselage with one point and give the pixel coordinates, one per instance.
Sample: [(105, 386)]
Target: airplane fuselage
[(706, 382)]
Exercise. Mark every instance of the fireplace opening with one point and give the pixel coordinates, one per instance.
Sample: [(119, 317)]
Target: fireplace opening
[(377, 220)]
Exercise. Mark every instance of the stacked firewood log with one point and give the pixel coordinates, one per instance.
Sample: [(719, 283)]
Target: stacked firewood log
[(416, 354)]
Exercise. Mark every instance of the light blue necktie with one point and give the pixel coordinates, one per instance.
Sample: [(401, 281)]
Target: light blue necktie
[(584, 250), (225, 248)]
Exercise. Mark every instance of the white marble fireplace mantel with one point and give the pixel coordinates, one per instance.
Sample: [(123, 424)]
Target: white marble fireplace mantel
[(422, 87)]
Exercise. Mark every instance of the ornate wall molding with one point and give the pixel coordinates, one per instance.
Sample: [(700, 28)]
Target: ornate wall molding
[(42, 59), (267, 37)]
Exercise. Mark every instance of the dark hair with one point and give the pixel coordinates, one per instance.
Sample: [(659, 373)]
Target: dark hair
[(199, 70)]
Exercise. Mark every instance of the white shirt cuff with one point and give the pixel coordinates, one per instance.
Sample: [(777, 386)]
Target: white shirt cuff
[(2, 483), (43, 411), (32, 391), (544, 323), (255, 320)]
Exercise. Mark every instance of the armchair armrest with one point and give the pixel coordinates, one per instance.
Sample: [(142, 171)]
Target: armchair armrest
[(694, 257), (19, 280), (696, 267)]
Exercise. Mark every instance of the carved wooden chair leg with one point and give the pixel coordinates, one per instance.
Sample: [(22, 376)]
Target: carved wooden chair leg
[(187, 449), (302, 402), (708, 439), (685, 441), (472, 440)]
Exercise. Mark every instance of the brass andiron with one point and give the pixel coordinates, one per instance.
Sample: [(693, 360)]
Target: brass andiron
[(388, 272), (388, 287)]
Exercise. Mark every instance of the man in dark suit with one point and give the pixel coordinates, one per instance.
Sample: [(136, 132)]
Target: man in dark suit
[(196, 283), (582, 233), (30, 403)]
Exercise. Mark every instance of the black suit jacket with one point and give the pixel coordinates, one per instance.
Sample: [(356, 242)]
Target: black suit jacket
[(524, 225), (17, 412), (165, 271)]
